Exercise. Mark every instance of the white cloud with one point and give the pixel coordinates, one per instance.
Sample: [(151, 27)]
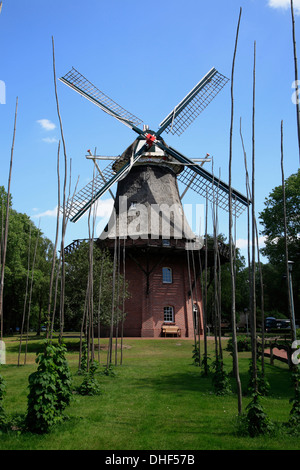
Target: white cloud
[(50, 140), (243, 243), (285, 4), (104, 210), (104, 207), (46, 124), (48, 213)]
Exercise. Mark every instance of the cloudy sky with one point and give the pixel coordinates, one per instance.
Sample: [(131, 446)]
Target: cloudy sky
[(146, 57)]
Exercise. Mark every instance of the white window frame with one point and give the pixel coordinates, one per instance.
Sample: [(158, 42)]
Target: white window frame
[(167, 275), (169, 313)]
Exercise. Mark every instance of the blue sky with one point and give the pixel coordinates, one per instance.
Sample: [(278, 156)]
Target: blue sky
[(145, 56)]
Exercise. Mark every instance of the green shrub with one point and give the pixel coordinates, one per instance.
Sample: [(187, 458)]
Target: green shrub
[(243, 343), (257, 421), (109, 371), (83, 359), (220, 379), (263, 386), (49, 389), (196, 354), (294, 420), (90, 385), (2, 394)]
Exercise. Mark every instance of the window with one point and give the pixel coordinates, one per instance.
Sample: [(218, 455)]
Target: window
[(169, 314), (196, 316), (166, 242), (133, 205), (167, 275)]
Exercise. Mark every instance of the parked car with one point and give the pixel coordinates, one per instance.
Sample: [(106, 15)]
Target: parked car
[(270, 323), (283, 324)]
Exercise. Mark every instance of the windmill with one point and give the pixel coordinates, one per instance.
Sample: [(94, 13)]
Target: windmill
[(146, 174)]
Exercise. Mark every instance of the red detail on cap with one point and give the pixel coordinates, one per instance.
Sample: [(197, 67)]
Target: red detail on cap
[(150, 138)]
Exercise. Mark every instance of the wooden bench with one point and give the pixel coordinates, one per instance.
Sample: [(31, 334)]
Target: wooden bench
[(171, 329)]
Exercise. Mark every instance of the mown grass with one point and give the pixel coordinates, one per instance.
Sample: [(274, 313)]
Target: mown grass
[(157, 401)]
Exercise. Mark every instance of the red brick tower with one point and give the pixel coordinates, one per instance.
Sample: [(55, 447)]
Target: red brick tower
[(161, 262)]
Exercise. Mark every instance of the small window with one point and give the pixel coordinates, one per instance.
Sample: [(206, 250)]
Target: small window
[(166, 242), (167, 275), (168, 314), (133, 205)]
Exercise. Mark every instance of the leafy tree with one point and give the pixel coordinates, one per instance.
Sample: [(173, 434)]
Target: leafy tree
[(272, 219), (273, 222), (77, 272), (21, 230), (242, 295)]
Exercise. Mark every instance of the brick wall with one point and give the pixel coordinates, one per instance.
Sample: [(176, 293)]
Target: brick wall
[(149, 295)]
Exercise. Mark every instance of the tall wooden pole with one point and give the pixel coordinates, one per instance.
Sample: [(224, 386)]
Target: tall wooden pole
[(233, 313), (64, 221), (49, 323), (253, 294), (6, 225), (248, 192), (205, 291), (296, 74), (293, 330)]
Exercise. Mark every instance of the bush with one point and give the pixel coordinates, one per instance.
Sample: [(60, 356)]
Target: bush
[(90, 385), (257, 421), (220, 379), (294, 420), (196, 354), (263, 386), (2, 394), (49, 389), (243, 343)]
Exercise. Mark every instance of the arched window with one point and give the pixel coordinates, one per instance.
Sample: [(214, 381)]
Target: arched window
[(168, 314), (196, 316), (167, 275)]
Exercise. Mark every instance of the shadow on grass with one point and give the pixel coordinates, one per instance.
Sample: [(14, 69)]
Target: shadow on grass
[(280, 381), (177, 382)]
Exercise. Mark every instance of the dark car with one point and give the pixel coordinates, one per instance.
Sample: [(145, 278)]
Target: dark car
[(283, 324), (270, 323)]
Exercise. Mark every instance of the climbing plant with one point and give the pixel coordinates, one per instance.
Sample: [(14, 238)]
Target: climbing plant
[(49, 389)]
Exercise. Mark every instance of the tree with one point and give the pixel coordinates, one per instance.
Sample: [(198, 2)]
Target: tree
[(16, 272), (273, 221), (241, 284), (76, 289)]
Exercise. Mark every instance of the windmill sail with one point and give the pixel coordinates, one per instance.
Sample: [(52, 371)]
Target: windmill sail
[(193, 176), (213, 188), (88, 195), (194, 103), (207, 184), (84, 87)]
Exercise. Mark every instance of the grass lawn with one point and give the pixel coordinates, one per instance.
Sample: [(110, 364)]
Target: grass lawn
[(156, 401)]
